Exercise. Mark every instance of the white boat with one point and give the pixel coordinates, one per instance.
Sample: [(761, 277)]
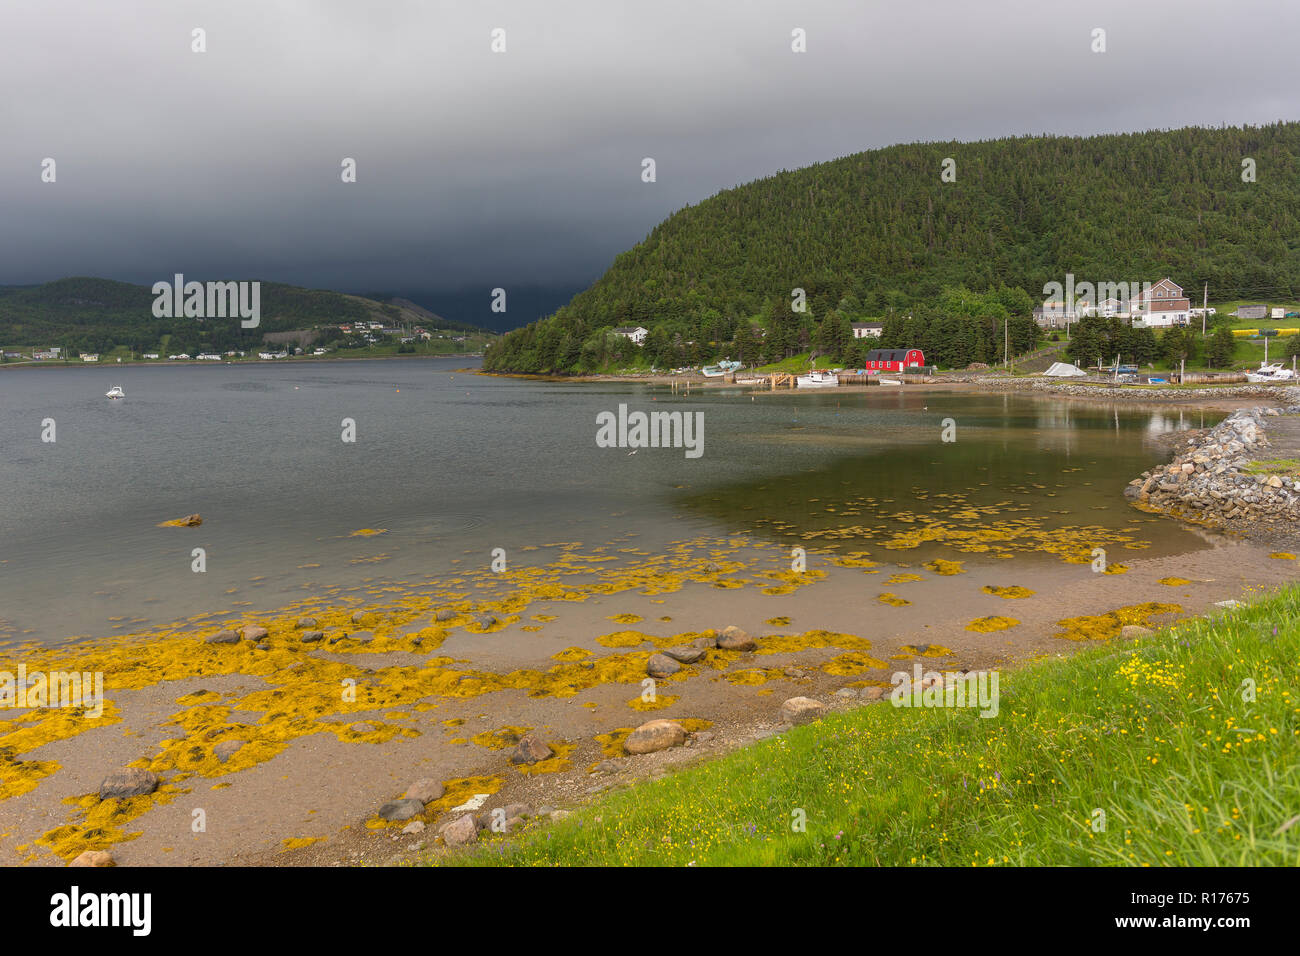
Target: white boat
[(817, 379), (1270, 373), (713, 371), (115, 392)]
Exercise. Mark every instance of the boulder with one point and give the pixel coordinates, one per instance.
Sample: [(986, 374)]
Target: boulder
[(311, 637), (224, 637), (426, 790), (801, 710), (305, 622), (402, 809), (687, 655), (226, 749), (444, 614), (460, 831), (530, 750), (661, 665), (255, 633), (94, 858), (359, 616), (655, 735), (733, 638), (128, 782)]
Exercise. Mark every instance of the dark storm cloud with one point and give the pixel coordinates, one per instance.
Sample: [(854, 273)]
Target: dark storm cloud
[(523, 168)]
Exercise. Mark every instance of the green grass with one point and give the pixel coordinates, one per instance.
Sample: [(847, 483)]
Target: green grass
[(798, 364), (1272, 466), (1156, 733)]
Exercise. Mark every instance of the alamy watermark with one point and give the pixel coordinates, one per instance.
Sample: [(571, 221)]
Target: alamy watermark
[(208, 300), (978, 689), (651, 430), (53, 689)]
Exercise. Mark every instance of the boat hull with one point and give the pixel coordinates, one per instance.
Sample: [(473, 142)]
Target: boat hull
[(817, 381)]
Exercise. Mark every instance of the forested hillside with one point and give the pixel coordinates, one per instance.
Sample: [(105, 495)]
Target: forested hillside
[(94, 315), (880, 232)]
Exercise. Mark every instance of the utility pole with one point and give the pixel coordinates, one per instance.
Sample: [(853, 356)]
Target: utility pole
[(1205, 308), (1006, 340)]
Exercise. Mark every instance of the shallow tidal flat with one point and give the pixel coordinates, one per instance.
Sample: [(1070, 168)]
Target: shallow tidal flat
[(264, 737), (392, 651)]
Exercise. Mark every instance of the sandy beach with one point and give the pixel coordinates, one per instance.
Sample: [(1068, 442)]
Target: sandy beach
[(280, 748)]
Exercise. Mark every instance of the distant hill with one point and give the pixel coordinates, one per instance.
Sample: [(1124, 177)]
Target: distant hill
[(96, 315), (880, 232)]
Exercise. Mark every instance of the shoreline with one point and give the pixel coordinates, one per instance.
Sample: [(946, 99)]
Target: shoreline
[(515, 644), (300, 359), (1206, 396)]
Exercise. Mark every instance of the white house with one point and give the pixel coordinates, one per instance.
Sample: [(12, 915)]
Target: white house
[(209, 357), (1054, 313), (1113, 308), (150, 355), (1162, 305), (634, 332), (862, 330), (89, 357)]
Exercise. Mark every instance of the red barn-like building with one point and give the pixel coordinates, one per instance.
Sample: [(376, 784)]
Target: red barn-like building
[(894, 360)]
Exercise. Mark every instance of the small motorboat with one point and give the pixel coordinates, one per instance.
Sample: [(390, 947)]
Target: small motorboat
[(115, 392), (817, 379), (890, 381), (1269, 373), (713, 371)]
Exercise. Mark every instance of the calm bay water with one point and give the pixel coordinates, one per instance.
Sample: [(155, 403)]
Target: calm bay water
[(454, 464)]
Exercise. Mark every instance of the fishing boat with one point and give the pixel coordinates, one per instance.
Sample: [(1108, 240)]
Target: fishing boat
[(890, 381), (1270, 373), (115, 392), (817, 379), (713, 371)]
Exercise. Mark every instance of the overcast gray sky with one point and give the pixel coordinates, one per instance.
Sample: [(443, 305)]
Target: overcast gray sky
[(478, 169)]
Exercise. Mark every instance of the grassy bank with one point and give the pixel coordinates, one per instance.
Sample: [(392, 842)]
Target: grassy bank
[(1158, 734)]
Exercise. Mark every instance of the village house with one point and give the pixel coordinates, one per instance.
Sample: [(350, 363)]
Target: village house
[(862, 330), (1251, 311), (1161, 305), (1055, 314), (90, 356), (1113, 308), (634, 332), (893, 360), (150, 355)]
